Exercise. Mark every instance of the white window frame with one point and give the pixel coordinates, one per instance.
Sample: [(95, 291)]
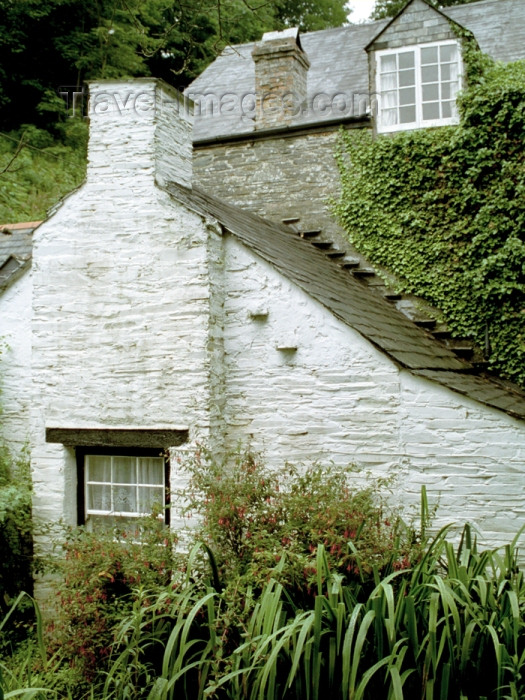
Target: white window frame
[(87, 482), (419, 122)]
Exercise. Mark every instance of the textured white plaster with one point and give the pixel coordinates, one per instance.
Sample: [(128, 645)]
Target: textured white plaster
[(15, 362), (138, 128), (337, 398), (144, 315), (121, 306)]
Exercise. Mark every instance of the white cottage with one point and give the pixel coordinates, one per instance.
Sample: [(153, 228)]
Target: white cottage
[(156, 316)]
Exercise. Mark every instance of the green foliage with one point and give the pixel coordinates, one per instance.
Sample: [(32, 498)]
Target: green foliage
[(254, 518), (311, 15), (53, 43), (451, 627), (100, 578), (16, 542), (135, 621), (36, 169), (443, 210)]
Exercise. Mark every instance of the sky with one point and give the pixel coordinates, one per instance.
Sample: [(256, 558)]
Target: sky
[(361, 9)]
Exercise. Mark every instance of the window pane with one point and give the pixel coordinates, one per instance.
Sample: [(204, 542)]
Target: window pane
[(124, 499), (388, 63), (406, 60), (389, 117), (446, 109), (388, 81), (407, 78), (99, 523), (407, 114), (407, 96), (429, 74), (448, 53), (107, 523), (99, 497), (131, 485), (124, 470), (430, 92), (429, 55), (389, 99), (446, 72), (98, 468), (431, 110), (151, 470), (150, 498)]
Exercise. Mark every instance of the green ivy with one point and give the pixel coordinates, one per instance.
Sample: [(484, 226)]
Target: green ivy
[(444, 210)]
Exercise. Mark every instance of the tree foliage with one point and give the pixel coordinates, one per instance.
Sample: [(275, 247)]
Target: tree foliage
[(48, 44), (37, 168), (390, 8), (443, 209)]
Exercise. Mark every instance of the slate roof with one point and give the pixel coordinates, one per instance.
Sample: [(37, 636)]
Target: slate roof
[(339, 66), (354, 303), (15, 250)]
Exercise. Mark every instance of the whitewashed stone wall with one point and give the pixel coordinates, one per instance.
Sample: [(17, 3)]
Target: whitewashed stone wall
[(121, 298), (145, 316), (15, 363), (337, 398)]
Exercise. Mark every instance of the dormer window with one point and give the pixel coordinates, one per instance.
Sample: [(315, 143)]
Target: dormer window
[(417, 86)]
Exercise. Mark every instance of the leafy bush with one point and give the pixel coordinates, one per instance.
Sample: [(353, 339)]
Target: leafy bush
[(452, 627), (100, 578), (443, 210), (16, 544), (253, 518)]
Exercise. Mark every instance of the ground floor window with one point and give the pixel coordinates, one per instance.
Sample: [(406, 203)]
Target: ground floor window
[(117, 487)]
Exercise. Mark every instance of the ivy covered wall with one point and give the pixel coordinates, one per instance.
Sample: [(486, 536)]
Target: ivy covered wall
[(444, 210)]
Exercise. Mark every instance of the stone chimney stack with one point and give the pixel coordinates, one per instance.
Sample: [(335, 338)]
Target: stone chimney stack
[(281, 68), (140, 134)]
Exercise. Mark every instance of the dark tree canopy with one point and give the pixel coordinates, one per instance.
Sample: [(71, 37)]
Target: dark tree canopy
[(390, 8), (45, 44)]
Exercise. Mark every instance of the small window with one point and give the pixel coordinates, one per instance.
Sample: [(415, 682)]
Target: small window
[(118, 487), (418, 86)]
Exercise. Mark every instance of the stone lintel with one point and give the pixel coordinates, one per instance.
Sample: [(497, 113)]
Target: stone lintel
[(118, 437)]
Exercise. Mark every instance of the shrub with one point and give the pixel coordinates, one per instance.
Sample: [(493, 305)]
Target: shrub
[(16, 543), (254, 518), (451, 627), (101, 576), (15, 527), (135, 621)]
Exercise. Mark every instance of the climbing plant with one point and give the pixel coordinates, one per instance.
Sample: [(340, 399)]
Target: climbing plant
[(444, 210)]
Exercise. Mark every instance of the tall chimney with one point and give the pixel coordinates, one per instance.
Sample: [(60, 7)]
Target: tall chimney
[(140, 132), (281, 68)]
